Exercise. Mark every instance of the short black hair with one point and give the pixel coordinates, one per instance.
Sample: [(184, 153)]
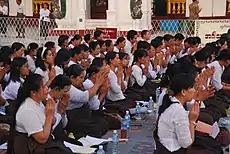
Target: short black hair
[(87, 37), (179, 37), (84, 47), (143, 45), (168, 37), (144, 32), (74, 70), (62, 39), (156, 43), (76, 51), (131, 34), (97, 34)]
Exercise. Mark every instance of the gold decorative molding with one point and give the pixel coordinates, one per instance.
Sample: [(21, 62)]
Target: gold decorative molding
[(176, 7)]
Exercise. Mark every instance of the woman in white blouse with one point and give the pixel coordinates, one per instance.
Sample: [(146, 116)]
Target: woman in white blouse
[(34, 119), (59, 91), (124, 58), (120, 44), (115, 94), (20, 25), (222, 61), (61, 61), (175, 127), (44, 64), (140, 68), (81, 122), (31, 54), (94, 50), (97, 65), (18, 72), (45, 20)]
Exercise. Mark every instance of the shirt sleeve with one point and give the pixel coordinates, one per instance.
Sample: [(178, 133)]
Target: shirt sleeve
[(32, 123), (115, 87), (216, 80), (139, 77), (79, 96), (181, 125), (58, 118)]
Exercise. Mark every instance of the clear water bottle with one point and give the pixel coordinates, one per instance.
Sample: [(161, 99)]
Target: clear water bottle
[(128, 119), (115, 142), (158, 92), (138, 111), (150, 106), (101, 150)]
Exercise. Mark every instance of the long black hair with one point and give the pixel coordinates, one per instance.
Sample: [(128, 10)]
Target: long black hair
[(31, 47), (110, 56), (17, 63), (177, 84), (62, 56), (33, 82), (95, 66), (42, 53), (139, 54), (60, 82)]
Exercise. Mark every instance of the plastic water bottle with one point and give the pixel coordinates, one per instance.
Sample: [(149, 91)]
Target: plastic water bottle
[(100, 151), (124, 132), (150, 106), (158, 92), (115, 142), (128, 120), (138, 111)]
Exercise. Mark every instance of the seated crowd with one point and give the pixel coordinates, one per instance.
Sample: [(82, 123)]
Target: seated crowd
[(84, 86)]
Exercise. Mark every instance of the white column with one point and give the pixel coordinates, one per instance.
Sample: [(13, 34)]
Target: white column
[(80, 19), (145, 22), (112, 13), (28, 7), (13, 7)]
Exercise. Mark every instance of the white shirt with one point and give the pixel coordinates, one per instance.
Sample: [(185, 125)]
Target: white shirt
[(44, 74), (137, 76), (44, 15), (31, 63), (77, 98), (30, 117), (21, 8), (172, 59), (115, 93), (71, 46), (11, 90), (58, 70), (116, 49), (128, 50), (128, 47), (59, 118), (71, 63), (173, 127), (216, 78), (94, 102), (4, 10), (91, 58)]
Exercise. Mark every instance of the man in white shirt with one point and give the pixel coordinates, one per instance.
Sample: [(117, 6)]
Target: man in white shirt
[(3, 14), (145, 35), (223, 60), (45, 20), (131, 44), (20, 24)]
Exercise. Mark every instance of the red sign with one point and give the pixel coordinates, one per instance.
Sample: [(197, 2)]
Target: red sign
[(109, 33)]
